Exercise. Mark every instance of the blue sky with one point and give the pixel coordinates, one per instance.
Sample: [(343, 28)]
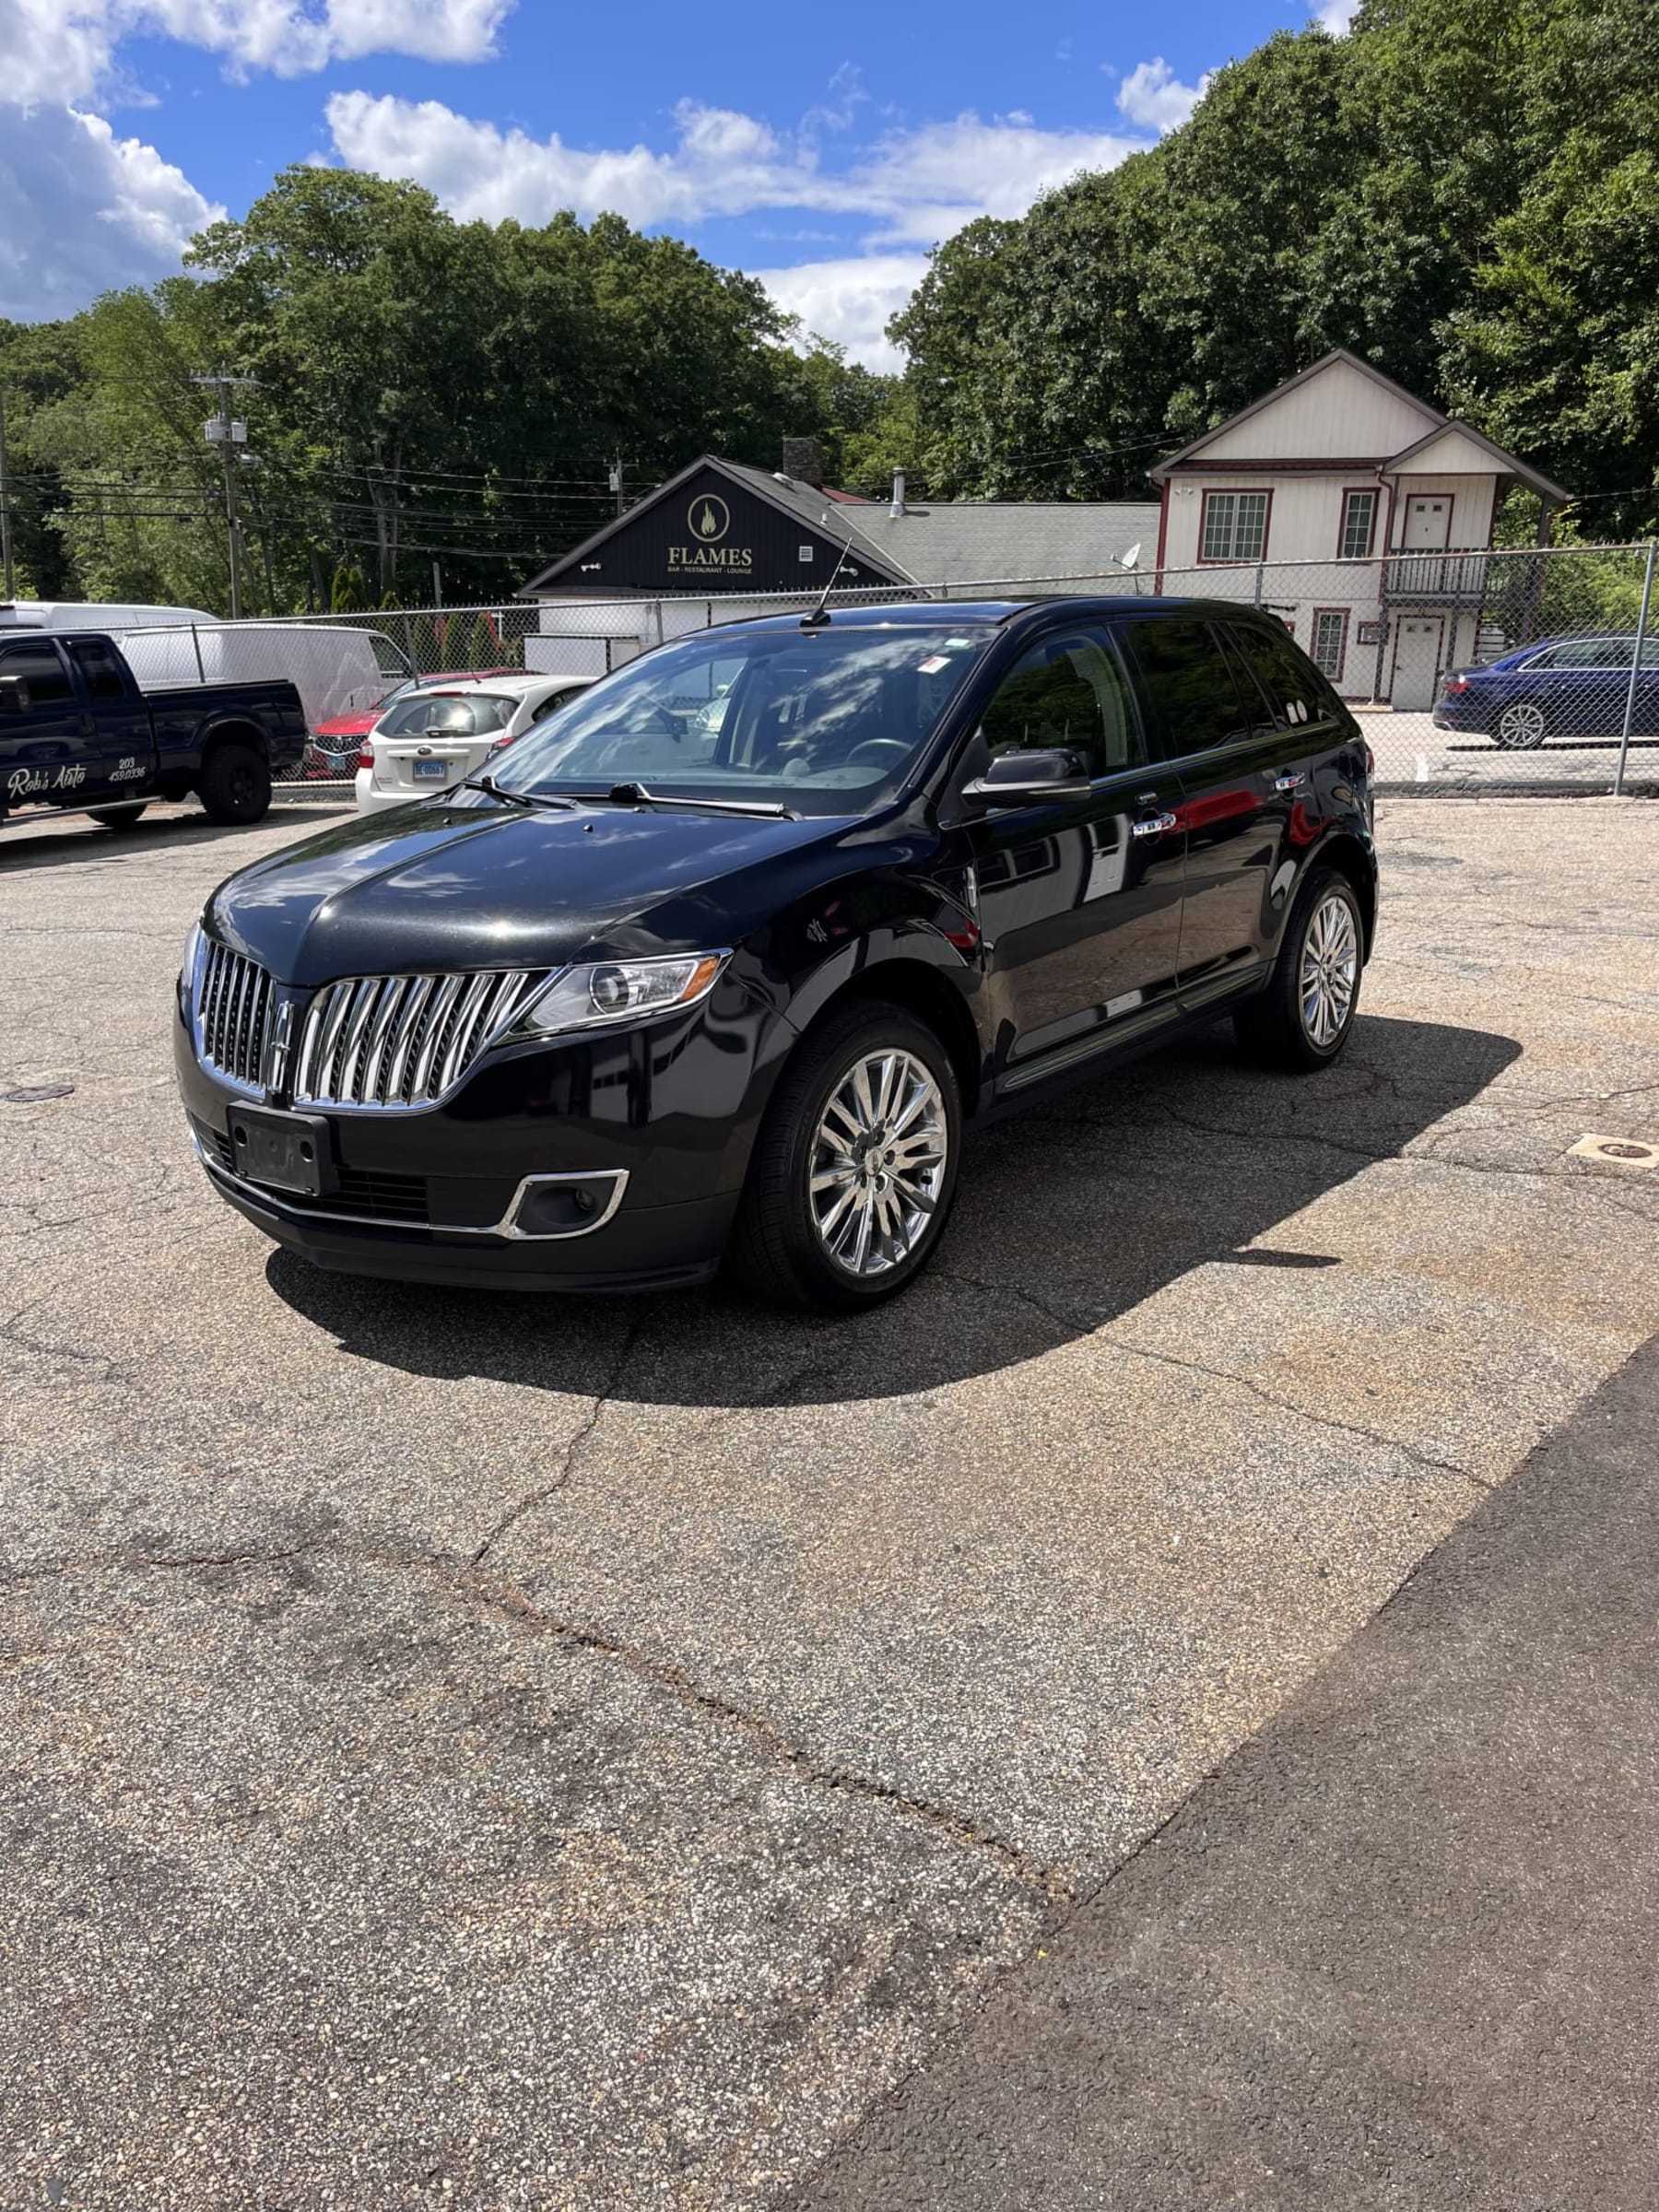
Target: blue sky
[(821, 148)]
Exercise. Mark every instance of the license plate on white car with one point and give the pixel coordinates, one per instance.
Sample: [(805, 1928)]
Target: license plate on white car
[(432, 771)]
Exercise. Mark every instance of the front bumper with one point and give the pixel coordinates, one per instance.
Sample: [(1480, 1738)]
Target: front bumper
[(656, 1121), (653, 1248)]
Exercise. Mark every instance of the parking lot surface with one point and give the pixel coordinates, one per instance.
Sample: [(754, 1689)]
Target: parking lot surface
[(506, 1752), (1410, 752)]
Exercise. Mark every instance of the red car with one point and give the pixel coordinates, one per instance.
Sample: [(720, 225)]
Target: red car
[(335, 744)]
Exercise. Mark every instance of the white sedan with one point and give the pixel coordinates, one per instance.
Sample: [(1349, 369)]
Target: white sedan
[(432, 739)]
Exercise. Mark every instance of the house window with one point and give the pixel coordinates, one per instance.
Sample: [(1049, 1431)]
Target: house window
[(1358, 515), (1235, 526), (1330, 640)]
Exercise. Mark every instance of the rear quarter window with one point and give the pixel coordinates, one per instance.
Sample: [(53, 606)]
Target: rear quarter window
[(1288, 678), (1188, 679)]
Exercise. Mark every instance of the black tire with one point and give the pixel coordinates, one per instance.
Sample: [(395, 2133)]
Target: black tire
[(1275, 1029), (235, 783), (118, 818), (777, 1253)]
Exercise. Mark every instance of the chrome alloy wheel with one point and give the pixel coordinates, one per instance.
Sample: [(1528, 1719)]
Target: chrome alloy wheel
[(1521, 724), (878, 1162), (1330, 970)]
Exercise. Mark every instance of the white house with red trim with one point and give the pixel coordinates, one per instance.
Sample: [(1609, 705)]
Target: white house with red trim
[(1384, 505)]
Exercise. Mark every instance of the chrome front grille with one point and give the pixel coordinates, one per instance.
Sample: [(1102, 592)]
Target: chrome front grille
[(233, 1006), (403, 1039)]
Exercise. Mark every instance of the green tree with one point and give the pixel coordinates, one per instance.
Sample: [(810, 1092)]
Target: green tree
[(348, 595), (1556, 352), (1462, 191)]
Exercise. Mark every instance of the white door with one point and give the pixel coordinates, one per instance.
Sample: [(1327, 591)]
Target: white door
[(1417, 664), (1428, 522)]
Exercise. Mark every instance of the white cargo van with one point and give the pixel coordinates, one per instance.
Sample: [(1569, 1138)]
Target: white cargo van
[(335, 668), (92, 614)]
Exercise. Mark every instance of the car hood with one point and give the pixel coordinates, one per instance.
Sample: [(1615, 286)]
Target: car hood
[(492, 885), (347, 726)]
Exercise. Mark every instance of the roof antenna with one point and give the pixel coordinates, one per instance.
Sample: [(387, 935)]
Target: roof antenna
[(819, 617)]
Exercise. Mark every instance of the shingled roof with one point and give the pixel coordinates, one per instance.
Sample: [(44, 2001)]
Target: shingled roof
[(933, 542), (975, 541)]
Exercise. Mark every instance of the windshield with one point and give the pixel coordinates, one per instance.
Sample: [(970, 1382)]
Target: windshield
[(822, 721), (437, 715)]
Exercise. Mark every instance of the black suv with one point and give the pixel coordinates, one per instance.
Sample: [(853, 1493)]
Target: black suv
[(718, 962)]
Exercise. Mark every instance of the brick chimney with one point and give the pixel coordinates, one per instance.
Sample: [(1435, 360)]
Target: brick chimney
[(803, 460)]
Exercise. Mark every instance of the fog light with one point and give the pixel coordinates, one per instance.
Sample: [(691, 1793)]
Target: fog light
[(566, 1205)]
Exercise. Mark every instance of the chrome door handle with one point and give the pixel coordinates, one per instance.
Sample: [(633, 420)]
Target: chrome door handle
[(1152, 825), (1289, 782)]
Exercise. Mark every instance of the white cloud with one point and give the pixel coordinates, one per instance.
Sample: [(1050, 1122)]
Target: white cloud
[(66, 50), (51, 53), (909, 188), (916, 186), (83, 211), (924, 184), (850, 300), (1153, 96), (912, 188), (1334, 16)]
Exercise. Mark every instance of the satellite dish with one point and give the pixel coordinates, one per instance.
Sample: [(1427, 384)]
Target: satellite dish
[(1130, 559)]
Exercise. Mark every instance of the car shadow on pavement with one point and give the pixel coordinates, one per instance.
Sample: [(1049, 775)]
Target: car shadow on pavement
[(1068, 1217)]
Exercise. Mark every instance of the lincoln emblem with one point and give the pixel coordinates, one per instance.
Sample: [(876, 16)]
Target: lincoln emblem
[(710, 518)]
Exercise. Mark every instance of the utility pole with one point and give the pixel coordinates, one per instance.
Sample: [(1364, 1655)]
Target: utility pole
[(616, 481), (229, 435), (5, 545)]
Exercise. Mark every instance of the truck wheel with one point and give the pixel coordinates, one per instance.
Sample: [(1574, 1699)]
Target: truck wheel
[(234, 785), (856, 1167), (1302, 1020), (118, 818)]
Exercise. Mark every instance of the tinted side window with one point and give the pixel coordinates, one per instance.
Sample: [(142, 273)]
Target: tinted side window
[(101, 671), (41, 669), (1279, 669), (1066, 692), (1189, 679)]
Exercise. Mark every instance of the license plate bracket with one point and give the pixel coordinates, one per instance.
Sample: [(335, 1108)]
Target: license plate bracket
[(284, 1151), (432, 771)]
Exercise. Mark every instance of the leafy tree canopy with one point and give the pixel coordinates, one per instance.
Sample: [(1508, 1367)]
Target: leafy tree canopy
[(1464, 192), (426, 392)]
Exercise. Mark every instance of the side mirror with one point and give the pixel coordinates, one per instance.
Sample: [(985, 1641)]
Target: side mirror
[(1034, 779), (14, 695)]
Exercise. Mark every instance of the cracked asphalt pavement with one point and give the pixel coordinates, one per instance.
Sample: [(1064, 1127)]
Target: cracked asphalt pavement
[(499, 1752)]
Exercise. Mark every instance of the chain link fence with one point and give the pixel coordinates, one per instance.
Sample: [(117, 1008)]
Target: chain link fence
[(1532, 671)]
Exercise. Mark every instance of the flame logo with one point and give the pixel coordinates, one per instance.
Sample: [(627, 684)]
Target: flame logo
[(709, 517)]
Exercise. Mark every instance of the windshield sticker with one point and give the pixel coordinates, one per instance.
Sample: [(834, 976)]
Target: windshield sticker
[(932, 664), (953, 643)]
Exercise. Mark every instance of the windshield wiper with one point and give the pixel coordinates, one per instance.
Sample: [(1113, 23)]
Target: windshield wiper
[(488, 785), (636, 794)]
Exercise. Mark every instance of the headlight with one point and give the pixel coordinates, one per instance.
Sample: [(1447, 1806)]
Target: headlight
[(613, 991)]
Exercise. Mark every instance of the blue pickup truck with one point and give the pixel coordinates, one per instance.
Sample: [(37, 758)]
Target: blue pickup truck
[(77, 735)]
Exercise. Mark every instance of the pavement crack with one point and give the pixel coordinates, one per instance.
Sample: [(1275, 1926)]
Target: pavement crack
[(109, 1562), (663, 1675), (573, 1450), (1318, 1420), (667, 1675), (1076, 1325)]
